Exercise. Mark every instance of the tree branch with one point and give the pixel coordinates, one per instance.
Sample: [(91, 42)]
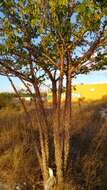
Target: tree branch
[(14, 72)]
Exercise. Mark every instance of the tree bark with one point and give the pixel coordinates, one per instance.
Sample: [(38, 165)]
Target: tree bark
[(43, 131), (67, 116), (68, 97), (54, 94), (58, 127), (43, 124)]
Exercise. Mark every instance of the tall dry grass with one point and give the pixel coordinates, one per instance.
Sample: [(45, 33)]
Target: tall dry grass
[(87, 157)]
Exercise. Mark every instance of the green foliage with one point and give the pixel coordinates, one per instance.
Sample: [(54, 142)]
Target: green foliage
[(90, 15), (62, 25), (102, 3)]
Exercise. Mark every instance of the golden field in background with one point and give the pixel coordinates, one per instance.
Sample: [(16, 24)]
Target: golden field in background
[(87, 92)]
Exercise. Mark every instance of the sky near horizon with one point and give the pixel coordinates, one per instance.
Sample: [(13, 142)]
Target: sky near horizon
[(92, 77)]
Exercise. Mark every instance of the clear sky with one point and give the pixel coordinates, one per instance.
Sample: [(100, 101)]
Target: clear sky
[(92, 77)]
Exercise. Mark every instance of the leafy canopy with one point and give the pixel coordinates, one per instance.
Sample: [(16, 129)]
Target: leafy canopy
[(42, 32)]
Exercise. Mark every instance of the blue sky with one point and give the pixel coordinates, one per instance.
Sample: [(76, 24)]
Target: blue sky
[(5, 85), (92, 77)]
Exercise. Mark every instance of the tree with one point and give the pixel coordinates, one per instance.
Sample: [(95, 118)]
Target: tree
[(58, 40)]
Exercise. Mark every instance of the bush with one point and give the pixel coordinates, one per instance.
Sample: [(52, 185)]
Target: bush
[(5, 99)]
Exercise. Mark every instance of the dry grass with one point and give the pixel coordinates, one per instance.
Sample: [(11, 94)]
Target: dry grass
[(86, 164)]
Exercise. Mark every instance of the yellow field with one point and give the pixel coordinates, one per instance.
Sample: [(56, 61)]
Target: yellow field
[(86, 92), (91, 91)]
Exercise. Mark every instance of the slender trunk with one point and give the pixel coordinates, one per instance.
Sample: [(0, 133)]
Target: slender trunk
[(67, 118), (68, 98), (57, 137), (58, 127), (60, 86), (43, 131), (58, 157), (54, 94), (58, 150), (59, 101), (43, 124)]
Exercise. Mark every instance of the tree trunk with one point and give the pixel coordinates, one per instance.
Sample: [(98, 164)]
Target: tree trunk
[(58, 149), (58, 123), (67, 117), (68, 96), (57, 134), (54, 94), (43, 131), (43, 125)]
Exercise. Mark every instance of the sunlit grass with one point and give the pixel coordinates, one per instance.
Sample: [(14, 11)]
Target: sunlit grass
[(18, 160)]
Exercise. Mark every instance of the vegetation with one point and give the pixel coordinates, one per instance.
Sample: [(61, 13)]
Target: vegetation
[(87, 157), (54, 40), (5, 99)]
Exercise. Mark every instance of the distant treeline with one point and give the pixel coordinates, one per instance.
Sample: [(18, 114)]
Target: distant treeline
[(8, 99)]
